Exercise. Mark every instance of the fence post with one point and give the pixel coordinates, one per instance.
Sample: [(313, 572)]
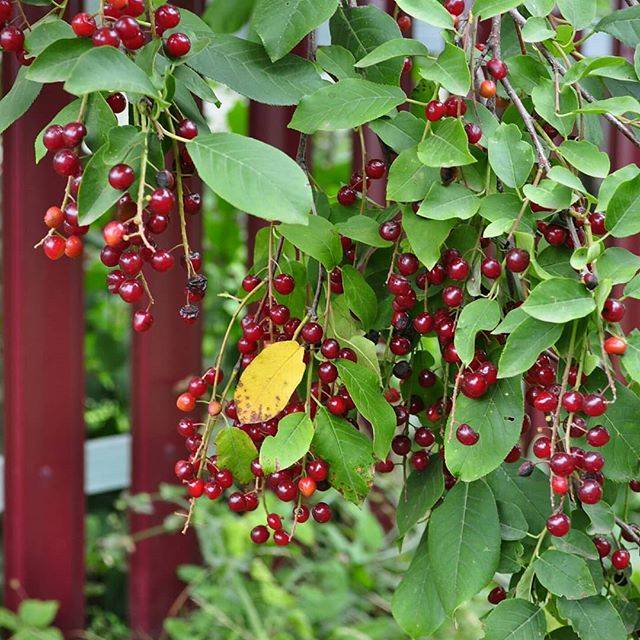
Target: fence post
[(162, 357), (43, 380)]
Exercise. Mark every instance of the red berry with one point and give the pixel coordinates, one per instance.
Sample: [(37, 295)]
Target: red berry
[(131, 290), (562, 464), (166, 17), (318, 470), (590, 492), (54, 247), (404, 22), (184, 470), (321, 512), (602, 545), (454, 7), (106, 37), (558, 524), (620, 559), (455, 106), (487, 89), (497, 595), (452, 296), (559, 485), (127, 27), (117, 102), (517, 260), (177, 45), (598, 436), (420, 460), (12, 39), (434, 110), (596, 221), (375, 169), (423, 323), (142, 321), (281, 538), (259, 534), (572, 401), (542, 447), (337, 405), (613, 310), (66, 163), (52, 138), (594, 405), (284, 284), (466, 435), (390, 230), (346, 196), (474, 133), (592, 461), (121, 177), (113, 233), (497, 68), (83, 25), (491, 268), (615, 346), (473, 385), (312, 333), (187, 129)]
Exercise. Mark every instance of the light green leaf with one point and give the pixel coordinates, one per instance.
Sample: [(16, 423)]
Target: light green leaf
[(446, 202), (623, 212), (605, 66), (57, 61), (421, 491), (489, 8), (446, 145), (527, 341), (227, 16), (344, 105), (580, 13), (585, 157), (516, 619), (618, 265), (291, 443), (565, 575), (559, 300), (348, 453), (564, 176), (400, 132), (44, 32), (593, 618), (480, 315), (364, 388), (38, 613), (450, 69), (611, 183), (497, 417), (416, 605), (549, 194), (360, 296), (365, 351), (601, 516), (252, 176), (409, 179), (426, 237), (18, 99), (509, 156), (577, 543), (318, 239), (618, 106), (362, 229), (302, 16), (536, 30), (464, 543), (544, 101), (236, 451), (624, 25), (107, 69), (398, 48), (539, 7), (429, 11), (337, 61), (246, 68)]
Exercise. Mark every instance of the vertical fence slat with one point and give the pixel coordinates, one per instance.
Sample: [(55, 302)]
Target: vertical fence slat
[(43, 381), (162, 357)]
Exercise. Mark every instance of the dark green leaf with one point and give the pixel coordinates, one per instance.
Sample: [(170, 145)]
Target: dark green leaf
[(398, 48), (420, 492), (513, 525), (564, 575), (400, 132), (450, 69), (577, 543), (559, 300), (480, 315), (623, 210), (593, 618), (426, 237), (509, 156), (446, 145), (515, 619), (362, 229), (409, 178), (253, 176), (20, 97), (56, 62), (228, 16), (624, 25), (454, 201), (464, 543), (337, 61), (429, 11), (360, 296), (348, 453)]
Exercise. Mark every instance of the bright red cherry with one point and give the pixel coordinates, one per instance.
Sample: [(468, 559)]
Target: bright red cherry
[(517, 260), (598, 436), (466, 435), (54, 247), (83, 25), (594, 405), (66, 163), (452, 296), (259, 534), (473, 385), (590, 492), (375, 169), (106, 37), (615, 346), (142, 321), (117, 102), (613, 310), (390, 230), (592, 461), (434, 111), (491, 268), (542, 448), (620, 559), (284, 284), (455, 106), (497, 68), (346, 196), (12, 39), (596, 221), (562, 464), (166, 17), (177, 45), (187, 129), (558, 524), (321, 512), (454, 7), (121, 177), (474, 133)]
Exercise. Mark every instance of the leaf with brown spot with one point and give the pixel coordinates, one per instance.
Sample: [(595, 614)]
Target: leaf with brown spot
[(267, 383)]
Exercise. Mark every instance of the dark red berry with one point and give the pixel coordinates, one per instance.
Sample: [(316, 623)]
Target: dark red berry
[(177, 45), (466, 435), (497, 68), (558, 524), (121, 177), (517, 260), (83, 25)]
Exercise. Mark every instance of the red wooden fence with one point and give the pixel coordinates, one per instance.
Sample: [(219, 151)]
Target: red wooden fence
[(44, 380)]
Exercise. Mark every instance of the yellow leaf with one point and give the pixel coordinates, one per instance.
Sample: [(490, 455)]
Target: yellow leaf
[(267, 383)]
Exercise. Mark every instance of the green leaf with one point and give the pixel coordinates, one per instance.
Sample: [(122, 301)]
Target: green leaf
[(246, 68), (252, 176), (446, 202), (398, 48), (348, 453), (601, 516), (530, 494), (624, 25), (426, 237), (544, 101), (421, 491), (623, 212), (364, 388), (593, 618), (337, 61), (44, 32), (611, 183), (227, 16), (585, 157), (366, 352), (318, 239), (617, 106), (291, 443), (577, 543), (580, 13), (360, 296), (516, 619), (605, 66), (18, 99), (509, 156), (429, 11), (480, 315), (513, 524), (497, 417), (400, 132), (618, 265), (96, 196), (559, 300), (303, 16), (564, 176), (511, 553), (362, 229), (527, 341), (450, 69), (57, 61), (446, 145), (564, 575), (489, 8), (195, 84), (536, 30), (416, 605), (622, 453), (344, 105), (107, 69), (236, 452), (540, 7), (631, 360), (409, 179), (38, 613), (464, 543), (549, 194), (363, 29)]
